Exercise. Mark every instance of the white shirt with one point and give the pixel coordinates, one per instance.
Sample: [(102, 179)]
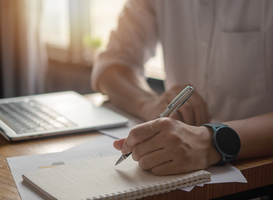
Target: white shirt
[(222, 48)]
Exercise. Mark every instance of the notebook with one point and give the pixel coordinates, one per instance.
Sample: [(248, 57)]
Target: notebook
[(53, 114), (100, 179)]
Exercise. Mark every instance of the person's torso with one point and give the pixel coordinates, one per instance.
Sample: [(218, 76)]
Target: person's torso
[(224, 49)]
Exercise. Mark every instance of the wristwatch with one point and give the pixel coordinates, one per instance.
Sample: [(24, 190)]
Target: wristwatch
[(226, 141)]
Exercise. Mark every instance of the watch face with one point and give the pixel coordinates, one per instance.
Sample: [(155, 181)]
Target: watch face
[(228, 141)]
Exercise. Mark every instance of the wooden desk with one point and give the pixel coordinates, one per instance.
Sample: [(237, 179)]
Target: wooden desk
[(258, 171)]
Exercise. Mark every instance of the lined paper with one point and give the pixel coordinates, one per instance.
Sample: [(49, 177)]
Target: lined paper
[(99, 178)]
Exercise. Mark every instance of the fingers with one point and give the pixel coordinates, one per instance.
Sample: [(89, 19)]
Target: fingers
[(187, 113), (164, 169), (139, 134), (168, 96), (200, 110), (162, 162), (118, 143), (166, 146), (147, 137), (154, 159), (194, 111), (148, 146)]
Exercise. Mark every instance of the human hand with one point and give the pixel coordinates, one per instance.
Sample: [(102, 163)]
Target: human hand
[(193, 112), (167, 146)]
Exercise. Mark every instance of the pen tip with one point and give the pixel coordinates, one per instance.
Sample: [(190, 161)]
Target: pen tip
[(119, 160)]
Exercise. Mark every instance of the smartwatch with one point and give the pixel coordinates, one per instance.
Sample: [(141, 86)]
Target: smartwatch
[(226, 141)]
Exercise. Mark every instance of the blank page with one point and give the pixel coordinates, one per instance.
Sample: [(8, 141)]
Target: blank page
[(101, 178)]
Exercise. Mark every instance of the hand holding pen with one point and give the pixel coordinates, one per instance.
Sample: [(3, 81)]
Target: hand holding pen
[(178, 101)]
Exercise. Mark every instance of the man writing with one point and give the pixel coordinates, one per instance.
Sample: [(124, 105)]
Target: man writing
[(218, 47)]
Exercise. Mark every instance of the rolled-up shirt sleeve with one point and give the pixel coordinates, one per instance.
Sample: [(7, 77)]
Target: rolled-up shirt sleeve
[(132, 43)]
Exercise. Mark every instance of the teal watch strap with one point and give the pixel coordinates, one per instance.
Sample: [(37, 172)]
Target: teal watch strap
[(226, 141)]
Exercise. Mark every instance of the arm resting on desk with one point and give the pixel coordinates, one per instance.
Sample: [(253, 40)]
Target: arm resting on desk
[(167, 146), (129, 91), (256, 135)]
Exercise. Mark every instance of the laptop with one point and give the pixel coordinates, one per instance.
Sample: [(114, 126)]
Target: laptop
[(53, 114)]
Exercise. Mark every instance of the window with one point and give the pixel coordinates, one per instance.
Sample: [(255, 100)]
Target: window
[(104, 18), (55, 23), (66, 24)]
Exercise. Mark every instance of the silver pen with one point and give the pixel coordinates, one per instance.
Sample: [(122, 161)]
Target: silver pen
[(178, 101)]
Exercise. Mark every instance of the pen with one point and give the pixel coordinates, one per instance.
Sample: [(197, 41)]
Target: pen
[(178, 101)]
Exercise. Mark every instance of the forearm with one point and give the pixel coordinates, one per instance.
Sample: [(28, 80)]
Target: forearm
[(125, 88), (256, 135)]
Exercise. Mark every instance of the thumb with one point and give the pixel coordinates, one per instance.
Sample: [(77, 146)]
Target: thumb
[(118, 143)]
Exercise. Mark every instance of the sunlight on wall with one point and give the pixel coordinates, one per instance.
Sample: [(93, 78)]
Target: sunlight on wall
[(55, 22), (103, 19)]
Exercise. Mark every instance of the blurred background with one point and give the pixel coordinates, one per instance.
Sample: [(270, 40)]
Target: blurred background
[(50, 45)]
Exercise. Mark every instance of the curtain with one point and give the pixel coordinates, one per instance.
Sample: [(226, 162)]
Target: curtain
[(23, 54)]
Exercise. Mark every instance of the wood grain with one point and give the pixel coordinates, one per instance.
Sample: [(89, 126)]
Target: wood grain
[(258, 171), (8, 189)]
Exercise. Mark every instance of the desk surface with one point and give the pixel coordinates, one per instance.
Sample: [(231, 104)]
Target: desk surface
[(258, 171)]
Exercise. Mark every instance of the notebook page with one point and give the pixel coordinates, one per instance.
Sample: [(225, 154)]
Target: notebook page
[(100, 178)]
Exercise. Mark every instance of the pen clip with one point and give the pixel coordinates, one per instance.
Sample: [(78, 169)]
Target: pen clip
[(181, 95), (178, 101)]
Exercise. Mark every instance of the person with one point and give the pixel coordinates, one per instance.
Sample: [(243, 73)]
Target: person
[(221, 48)]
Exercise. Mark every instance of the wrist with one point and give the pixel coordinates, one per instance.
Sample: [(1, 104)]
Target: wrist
[(145, 105), (213, 156), (226, 141)]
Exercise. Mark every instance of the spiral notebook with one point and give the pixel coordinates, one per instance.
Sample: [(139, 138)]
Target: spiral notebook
[(100, 179)]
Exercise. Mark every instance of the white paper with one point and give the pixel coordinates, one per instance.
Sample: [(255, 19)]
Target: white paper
[(188, 189), (101, 141), (221, 174), (102, 146), (81, 180), (120, 132), (99, 147), (225, 174)]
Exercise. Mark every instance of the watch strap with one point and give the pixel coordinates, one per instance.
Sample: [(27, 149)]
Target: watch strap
[(215, 127)]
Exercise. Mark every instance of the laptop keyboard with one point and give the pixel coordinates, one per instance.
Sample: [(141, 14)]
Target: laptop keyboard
[(31, 116)]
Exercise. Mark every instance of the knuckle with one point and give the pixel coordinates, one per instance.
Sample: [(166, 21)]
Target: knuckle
[(187, 107), (169, 137), (166, 122), (134, 157), (174, 138), (125, 146), (181, 151), (144, 164), (136, 153), (133, 135)]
